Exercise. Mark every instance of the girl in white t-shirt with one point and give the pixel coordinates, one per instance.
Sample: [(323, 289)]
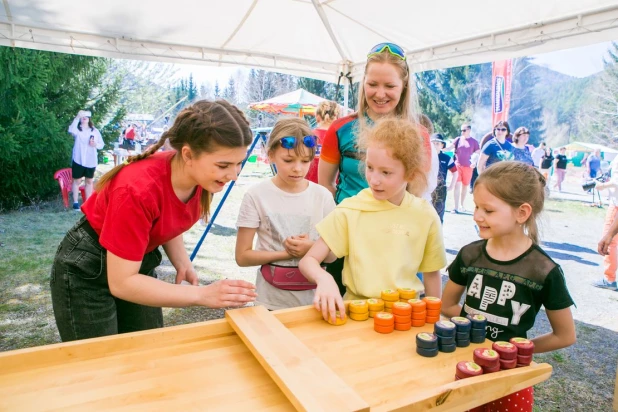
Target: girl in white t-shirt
[(283, 212)]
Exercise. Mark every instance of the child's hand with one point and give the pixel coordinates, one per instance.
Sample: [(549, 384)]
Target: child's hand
[(298, 246), (327, 298)]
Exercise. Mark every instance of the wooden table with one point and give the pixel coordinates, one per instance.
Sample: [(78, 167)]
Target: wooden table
[(252, 360)]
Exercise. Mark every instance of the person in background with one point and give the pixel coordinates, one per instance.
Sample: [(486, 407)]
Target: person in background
[(546, 162), (465, 146), (103, 279), (506, 276), (560, 165), (283, 212), (325, 114), (593, 164), (497, 149), (85, 159), (608, 246), (386, 90), (521, 152), (446, 164), (538, 153)]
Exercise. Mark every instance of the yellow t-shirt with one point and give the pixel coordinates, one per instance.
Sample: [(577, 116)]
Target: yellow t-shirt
[(384, 245)]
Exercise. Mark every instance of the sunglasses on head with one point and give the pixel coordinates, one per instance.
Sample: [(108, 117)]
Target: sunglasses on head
[(501, 129), (391, 47), (290, 142)]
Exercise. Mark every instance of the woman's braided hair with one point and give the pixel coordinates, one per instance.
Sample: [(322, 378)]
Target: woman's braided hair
[(202, 127)]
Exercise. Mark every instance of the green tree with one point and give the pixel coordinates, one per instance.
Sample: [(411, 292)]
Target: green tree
[(40, 94), (598, 118), (229, 93)]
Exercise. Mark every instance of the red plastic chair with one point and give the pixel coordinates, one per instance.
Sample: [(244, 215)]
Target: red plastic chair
[(65, 180)]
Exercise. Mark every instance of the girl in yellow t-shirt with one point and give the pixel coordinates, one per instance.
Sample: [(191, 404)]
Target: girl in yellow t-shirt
[(385, 233)]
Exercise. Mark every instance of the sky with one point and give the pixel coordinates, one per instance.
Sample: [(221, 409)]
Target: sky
[(577, 62)]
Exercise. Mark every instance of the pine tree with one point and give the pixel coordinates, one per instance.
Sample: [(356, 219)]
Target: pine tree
[(217, 90), (598, 120), (40, 94), (229, 93)]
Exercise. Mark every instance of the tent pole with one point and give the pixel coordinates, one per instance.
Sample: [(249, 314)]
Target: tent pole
[(346, 92)]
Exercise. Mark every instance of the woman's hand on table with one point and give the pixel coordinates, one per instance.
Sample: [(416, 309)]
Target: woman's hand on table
[(327, 298)]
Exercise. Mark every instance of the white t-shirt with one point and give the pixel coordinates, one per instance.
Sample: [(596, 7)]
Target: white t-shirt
[(278, 215), (84, 154), (537, 155)]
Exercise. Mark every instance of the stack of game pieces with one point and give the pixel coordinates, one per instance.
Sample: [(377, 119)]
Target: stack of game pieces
[(445, 331), (477, 331), (467, 369), (462, 335), (406, 294), (525, 349), (403, 315), (427, 344), (338, 320), (433, 309), (508, 354), (375, 306), (419, 312), (384, 322), (487, 359), (389, 297), (359, 310)]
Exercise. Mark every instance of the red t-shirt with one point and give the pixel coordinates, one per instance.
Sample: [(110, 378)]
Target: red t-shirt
[(312, 174), (138, 211), (130, 134)]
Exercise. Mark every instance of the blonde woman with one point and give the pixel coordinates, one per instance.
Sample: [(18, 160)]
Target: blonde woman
[(386, 91)]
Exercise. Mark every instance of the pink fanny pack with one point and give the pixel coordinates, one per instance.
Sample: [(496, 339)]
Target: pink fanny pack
[(286, 277)]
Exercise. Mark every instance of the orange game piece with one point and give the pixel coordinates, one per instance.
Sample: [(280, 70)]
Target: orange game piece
[(403, 326), (433, 302), (417, 323), (402, 309), (433, 312), (383, 329), (384, 319), (417, 305), (419, 315), (432, 319)]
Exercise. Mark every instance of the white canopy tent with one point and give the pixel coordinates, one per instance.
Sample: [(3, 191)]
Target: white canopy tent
[(313, 38)]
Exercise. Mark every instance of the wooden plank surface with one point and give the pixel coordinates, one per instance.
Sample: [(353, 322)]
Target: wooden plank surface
[(388, 373), (307, 382), (206, 366)]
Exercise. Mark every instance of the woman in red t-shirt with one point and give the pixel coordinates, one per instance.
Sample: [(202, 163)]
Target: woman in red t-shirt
[(103, 279), (325, 114)]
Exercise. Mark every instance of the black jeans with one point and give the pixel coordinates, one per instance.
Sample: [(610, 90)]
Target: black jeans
[(83, 304)]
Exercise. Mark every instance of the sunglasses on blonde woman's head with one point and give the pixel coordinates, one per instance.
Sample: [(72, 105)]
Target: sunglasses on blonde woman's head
[(390, 47), (290, 142)]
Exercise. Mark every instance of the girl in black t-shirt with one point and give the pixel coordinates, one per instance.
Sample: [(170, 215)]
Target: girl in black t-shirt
[(506, 276)]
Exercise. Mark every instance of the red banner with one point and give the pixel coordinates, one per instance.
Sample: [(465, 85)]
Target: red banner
[(501, 76)]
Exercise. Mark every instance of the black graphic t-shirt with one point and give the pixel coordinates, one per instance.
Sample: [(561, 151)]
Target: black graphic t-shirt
[(509, 294), (562, 161)]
